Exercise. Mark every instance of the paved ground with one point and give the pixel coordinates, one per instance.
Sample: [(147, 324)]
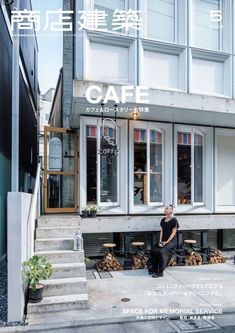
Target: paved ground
[(133, 301), (3, 290)]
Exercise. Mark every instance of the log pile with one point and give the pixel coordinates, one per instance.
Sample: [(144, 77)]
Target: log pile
[(108, 263), (216, 257), (193, 258), (138, 261), (172, 262)]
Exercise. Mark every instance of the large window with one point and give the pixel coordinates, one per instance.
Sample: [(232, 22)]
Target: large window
[(103, 169), (108, 172), (224, 170), (161, 20), (189, 167), (103, 166), (148, 166), (109, 7), (207, 25)]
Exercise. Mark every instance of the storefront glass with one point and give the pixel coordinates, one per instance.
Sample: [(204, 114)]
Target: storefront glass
[(91, 164), (155, 166), (190, 167), (108, 171), (147, 166), (140, 166)]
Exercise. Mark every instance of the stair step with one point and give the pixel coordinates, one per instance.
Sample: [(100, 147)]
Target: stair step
[(56, 232), (59, 303), (67, 286), (45, 244), (60, 256), (59, 221), (68, 270)]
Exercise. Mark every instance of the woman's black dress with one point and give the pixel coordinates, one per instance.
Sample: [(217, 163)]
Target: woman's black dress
[(160, 255)]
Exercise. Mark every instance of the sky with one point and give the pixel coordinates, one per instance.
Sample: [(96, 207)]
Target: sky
[(50, 47)]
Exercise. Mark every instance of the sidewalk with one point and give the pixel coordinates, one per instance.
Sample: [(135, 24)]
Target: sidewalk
[(131, 297)]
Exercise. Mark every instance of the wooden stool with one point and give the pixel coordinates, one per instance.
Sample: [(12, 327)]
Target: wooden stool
[(137, 244), (190, 241), (139, 259), (109, 262), (109, 246)]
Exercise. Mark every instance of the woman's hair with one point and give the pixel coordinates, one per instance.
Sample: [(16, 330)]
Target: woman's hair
[(171, 207)]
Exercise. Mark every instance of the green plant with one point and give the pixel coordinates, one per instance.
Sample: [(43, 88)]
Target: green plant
[(35, 269), (93, 209), (86, 209), (87, 260)]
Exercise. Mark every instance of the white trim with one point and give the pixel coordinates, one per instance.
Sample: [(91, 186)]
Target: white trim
[(121, 206), (166, 129), (220, 208), (169, 49), (227, 74), (112, 40), (207, 205)]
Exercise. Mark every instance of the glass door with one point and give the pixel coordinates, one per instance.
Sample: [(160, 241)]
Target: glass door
[(60, 170)]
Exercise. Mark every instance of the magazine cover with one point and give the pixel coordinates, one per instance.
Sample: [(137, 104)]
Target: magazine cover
[(117, 155)]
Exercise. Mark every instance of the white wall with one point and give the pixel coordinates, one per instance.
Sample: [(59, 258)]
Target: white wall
[(17, 211)]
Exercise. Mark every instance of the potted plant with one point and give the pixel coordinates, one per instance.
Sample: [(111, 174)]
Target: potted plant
[(85, 211), (93, 211), (35, 269)]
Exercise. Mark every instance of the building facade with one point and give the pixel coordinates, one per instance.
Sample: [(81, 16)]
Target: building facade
[(28, 88), (179, 146)]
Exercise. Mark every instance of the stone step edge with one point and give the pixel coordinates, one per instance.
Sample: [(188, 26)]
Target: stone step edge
[(50, 300), (68, 265), (55, 228), (53, 239), (54, 282), (58, 252)]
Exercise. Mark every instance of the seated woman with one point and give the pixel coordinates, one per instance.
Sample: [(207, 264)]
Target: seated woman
[(160, 252)]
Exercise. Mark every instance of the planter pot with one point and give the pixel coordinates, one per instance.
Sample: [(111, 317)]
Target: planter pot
[(36, 296), (93, 214), (85, 213)]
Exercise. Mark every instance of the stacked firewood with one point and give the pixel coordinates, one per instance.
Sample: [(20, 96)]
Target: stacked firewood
[(172, 262), (216, 257), (193, 258), (138, 261), (108, 263)]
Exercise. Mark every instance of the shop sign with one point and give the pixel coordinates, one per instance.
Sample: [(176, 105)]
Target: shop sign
[(108, 144)]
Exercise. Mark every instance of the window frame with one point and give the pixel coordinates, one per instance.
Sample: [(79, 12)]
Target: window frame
[(144, 33), (166, 130), (175, 50), (221, 208), (128, 4), (109, 39), (223, 58), (225, 31), (207, 204), (119, 207)]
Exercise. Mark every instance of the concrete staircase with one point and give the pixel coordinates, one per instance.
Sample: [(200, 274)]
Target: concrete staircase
[(67, 287)]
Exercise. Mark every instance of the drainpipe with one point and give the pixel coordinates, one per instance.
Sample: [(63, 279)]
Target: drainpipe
[(15, 107)]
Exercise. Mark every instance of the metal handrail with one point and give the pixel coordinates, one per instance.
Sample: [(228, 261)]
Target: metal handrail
[(33, 213)]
